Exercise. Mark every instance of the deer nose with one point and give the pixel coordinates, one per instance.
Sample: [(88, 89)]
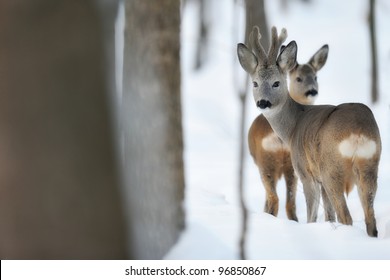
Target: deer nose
[(262, 104), (311, 92)]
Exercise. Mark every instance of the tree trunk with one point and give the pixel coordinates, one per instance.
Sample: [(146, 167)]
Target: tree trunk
[(59, 187), (153, 148), (203, 30), (374, 64), (255, 15)]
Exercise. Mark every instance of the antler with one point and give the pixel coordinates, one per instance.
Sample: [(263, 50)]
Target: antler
[(276, 43), (254, 41)]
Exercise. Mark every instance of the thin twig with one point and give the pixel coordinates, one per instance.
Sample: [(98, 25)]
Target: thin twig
[(244, 211)]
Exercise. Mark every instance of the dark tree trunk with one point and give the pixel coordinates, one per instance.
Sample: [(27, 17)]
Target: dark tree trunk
[(374, 64), (59, 187), (153, 147)]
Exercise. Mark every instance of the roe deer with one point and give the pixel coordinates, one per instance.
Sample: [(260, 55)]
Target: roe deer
[(270, 154), (333, 147)]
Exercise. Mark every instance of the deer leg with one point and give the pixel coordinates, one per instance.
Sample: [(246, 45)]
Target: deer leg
[(272, 201), (312, 196), (334, 187), (329, 211), (367, 186), (343, 215), (291, 185)]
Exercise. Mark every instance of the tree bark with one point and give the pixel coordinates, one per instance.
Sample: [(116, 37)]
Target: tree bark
[(153, 148), (59, 186)]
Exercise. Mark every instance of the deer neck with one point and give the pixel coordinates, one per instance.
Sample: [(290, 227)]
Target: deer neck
[(283, 121)]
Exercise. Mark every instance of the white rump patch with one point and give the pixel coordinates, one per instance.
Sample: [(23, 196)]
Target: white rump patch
[(357, 146), (273, 143)]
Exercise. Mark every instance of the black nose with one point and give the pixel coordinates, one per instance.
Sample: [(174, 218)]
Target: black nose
[(262, 104), (311, 92)]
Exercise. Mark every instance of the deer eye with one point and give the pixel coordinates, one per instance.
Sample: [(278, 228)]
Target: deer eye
[(255, 84), (315, 78), (298, 79), (276, 84)]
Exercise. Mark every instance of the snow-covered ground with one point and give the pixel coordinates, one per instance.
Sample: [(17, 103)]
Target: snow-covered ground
[(211, 127)]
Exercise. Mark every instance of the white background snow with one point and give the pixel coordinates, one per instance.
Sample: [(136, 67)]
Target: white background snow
[(211, 128)]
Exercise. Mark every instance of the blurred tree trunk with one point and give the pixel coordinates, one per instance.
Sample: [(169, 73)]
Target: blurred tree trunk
[(203, 32), (254, 15), (108, 12), (285, 4), (59, 186), (153, 148), (374, 64)]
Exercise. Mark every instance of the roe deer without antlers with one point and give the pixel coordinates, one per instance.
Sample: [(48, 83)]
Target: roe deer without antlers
[(270, 154), (333, 147)]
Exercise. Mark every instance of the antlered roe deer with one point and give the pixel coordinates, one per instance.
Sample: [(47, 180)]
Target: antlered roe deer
[(270, 154), (333, 147)]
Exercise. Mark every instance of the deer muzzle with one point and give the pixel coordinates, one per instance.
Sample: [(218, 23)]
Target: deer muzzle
[(311, 92), (263, 104)]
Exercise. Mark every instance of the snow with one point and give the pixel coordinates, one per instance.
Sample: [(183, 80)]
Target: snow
[(211, 130)]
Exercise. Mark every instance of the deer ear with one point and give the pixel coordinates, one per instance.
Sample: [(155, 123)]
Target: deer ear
[(288, 57), (319, 58), (247, 59)]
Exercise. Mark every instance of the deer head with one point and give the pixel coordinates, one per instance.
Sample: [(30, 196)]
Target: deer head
[(303, 77), (268, 70)]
